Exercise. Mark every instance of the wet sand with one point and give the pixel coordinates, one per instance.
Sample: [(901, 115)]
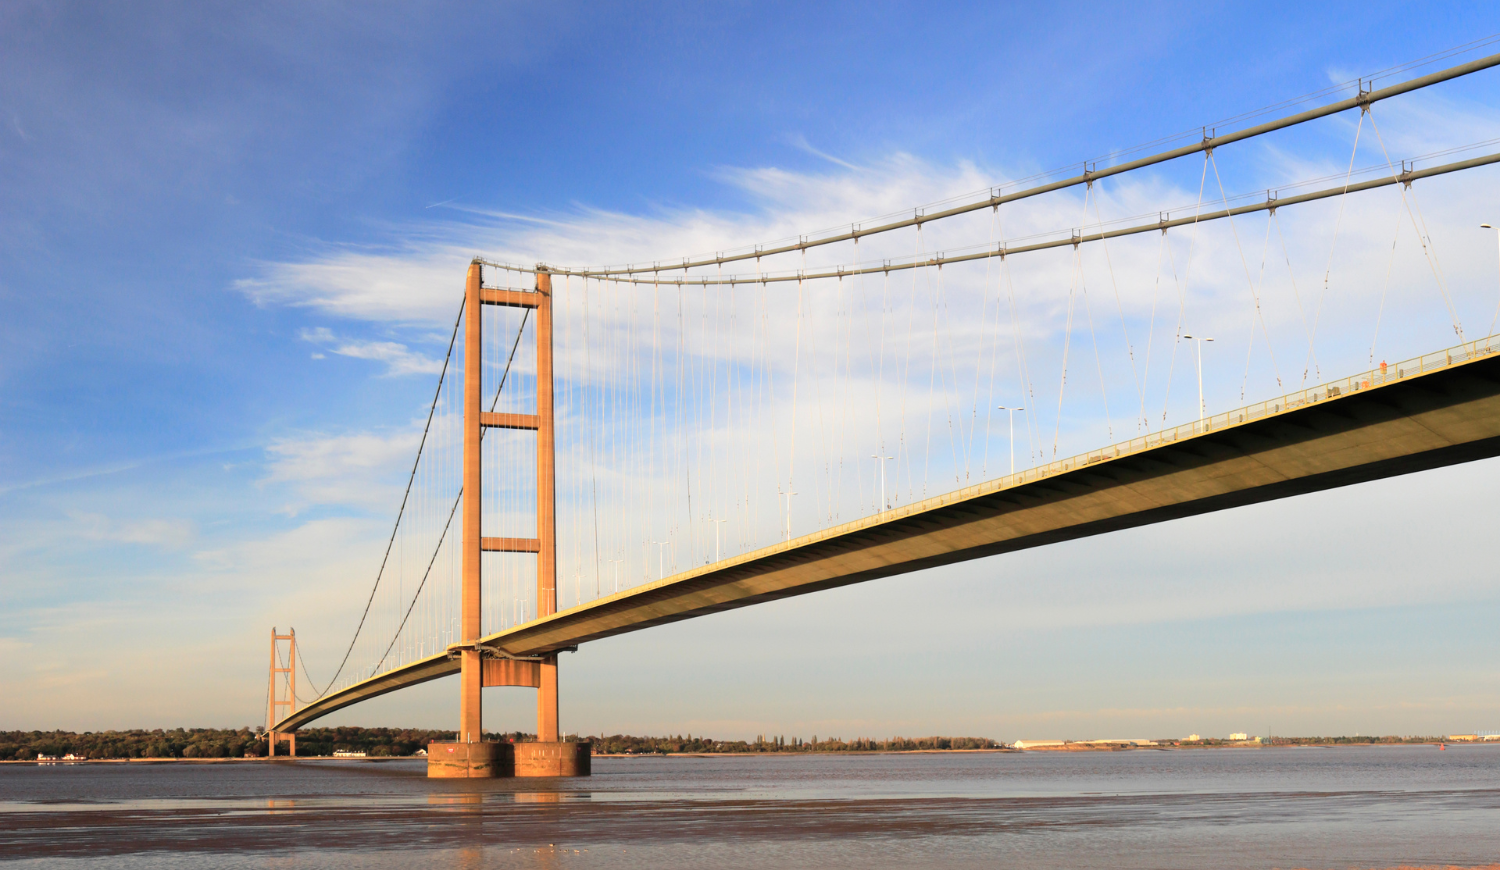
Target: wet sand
[(1272, 809)]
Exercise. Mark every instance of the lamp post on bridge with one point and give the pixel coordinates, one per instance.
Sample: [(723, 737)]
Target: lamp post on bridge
[(716, 523), (661, 571), (1497, 306), (1012, 433), (882, 460), (788, 496), (1202, 409)]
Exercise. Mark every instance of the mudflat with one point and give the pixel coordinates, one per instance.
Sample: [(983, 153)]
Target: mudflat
[(1376, 808)]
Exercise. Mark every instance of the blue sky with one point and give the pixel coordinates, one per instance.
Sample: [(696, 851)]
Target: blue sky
[(224, 242)]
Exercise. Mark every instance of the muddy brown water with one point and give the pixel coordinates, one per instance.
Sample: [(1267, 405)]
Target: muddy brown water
[(1270, 808)]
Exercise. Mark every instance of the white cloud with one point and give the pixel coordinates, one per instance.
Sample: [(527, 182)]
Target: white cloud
[(416, 284), (399, 359), (355, 469), (165, 533)]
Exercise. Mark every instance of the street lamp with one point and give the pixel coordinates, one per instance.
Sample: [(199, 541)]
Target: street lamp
[(1497, 306), (788, 496), (617, 572), (1012, 433), (716, 523), (882, 460), (1202, 409), (661, 571)]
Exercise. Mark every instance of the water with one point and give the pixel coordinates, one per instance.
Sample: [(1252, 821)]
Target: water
[(1269, 808)]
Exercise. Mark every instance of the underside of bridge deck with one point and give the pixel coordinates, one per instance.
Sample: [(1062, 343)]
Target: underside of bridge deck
[(1409, 424)]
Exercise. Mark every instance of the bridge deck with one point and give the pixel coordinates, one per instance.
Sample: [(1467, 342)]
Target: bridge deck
[(1440, 410)]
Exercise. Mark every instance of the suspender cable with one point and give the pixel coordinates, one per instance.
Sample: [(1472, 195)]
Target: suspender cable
[(1421, 232)]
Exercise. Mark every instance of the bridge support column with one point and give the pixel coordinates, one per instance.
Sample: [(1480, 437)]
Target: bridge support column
[(546, 701), (546, 505), (546, 509), (470, 719), (547, 756), (282, 692), (469, 756)]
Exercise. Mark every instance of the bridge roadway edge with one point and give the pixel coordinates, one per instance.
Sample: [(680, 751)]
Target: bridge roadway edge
[(1417, 423)]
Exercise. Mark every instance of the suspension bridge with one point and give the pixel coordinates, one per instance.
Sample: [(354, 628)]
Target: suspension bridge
[(610, 449)]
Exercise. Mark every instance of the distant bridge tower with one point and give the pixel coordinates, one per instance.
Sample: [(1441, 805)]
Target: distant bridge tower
[(282, 693), (470, 755)]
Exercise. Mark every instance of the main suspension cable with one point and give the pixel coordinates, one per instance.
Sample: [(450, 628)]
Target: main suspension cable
[(400, 512), (992, 196)]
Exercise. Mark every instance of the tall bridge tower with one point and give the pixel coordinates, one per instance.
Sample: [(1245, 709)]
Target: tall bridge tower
[(282, 692), (470, 756)]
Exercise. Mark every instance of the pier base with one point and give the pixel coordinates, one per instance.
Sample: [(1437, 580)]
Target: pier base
[(469, 760), (553, 759)]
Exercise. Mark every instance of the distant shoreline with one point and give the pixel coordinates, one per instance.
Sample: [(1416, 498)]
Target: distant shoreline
[(1054, 750)]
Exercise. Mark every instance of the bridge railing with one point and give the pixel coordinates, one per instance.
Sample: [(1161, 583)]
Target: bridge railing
[(1385, 374)]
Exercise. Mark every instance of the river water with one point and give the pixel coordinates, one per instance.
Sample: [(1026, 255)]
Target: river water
[(1266, 808)]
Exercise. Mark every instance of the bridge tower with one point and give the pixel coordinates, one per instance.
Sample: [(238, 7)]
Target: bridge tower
[(470, 756), (275, 696)]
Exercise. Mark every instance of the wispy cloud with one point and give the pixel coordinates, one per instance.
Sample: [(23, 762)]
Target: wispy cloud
[(173, 534), (416, 283), (799, 141), (352, 469), (418, 278), (399, 359)]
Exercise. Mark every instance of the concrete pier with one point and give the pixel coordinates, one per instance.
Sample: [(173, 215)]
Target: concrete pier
[(554, 759), (484, 760)]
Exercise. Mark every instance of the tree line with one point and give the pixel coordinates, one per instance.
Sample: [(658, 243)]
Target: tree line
[(397, 742), (622, 744), (212, 742)]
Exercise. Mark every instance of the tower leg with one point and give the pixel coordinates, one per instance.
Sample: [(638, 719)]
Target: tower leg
[(469, 756), (471, 725), (546, 702), (547, 756)]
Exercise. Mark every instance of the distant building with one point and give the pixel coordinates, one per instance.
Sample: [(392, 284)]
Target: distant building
[(1462, 738), (1064, 744), (1193, 738), (1239, 736), (348, 753), (421, 753)]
